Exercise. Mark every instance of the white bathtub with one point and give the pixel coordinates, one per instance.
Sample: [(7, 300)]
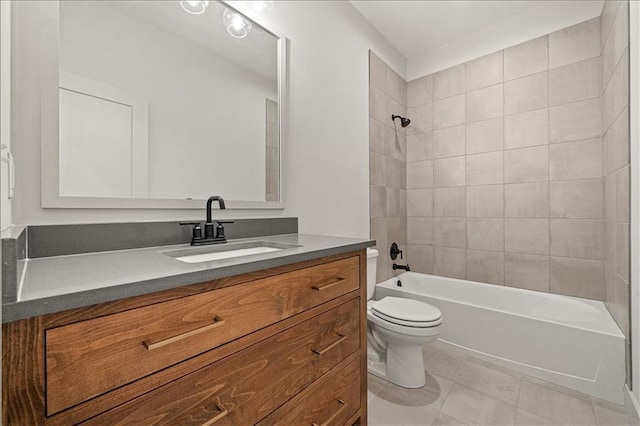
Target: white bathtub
[(565, 340)]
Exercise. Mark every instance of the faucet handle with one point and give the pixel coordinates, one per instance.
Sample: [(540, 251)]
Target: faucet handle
[(197, 230), (220, 228)]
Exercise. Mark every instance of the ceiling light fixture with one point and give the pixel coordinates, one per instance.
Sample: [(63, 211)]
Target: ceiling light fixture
[(196, 7), (236, 24), (260, 9)]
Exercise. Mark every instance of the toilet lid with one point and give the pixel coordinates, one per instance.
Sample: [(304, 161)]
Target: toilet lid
[(408, 312)]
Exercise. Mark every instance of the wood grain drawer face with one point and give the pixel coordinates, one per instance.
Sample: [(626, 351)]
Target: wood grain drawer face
[(91, 357), (245, 387), (331, 400)]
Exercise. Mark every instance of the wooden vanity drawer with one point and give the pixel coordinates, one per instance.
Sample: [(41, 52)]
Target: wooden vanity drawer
[(88, 358), (245, 387), (331, 400)]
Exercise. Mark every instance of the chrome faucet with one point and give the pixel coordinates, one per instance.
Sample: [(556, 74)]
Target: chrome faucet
[(212, 234)]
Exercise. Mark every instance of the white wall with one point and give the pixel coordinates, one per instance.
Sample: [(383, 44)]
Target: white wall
[(326, 163), (217, 143), (5, 106)]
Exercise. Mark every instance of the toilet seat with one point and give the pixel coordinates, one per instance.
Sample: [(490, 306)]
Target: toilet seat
[(407, 312)]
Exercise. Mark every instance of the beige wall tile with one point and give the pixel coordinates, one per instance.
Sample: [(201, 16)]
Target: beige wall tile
[(397, 230), (526, 129), (485, 136), (449, 112), (376, 136), (484, 169), (610, 197), (527, 236), (378, 104), (449, 262), (420, 230), (378, 201), (485, 234), (485, 201), (575, 82), (609, 9), (622, 195), (526, 165), (449, 232), (622, 251), (526, 58), (616, 143), (610, 243), (420, 91), (421, 117), (526, 94), (449, 172), (420, 258), (396, 87), (403, 203), (577, 277), (576, 121), (483, 104), (396, 173), (485, 266), (577, 238), (420, 174), (526, 271), (527, 200), (450, 202), (449, 142), (420, 202), (377, 169), (394, 203), (420, 146), (449, 82), (484, 71), (575, 43), (576, 199), (377, 71), (575, 160), (617, 41), (378, 229), (616, 92), (396, 145)]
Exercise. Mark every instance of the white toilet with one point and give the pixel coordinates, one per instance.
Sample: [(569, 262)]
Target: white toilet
[(397, 330)]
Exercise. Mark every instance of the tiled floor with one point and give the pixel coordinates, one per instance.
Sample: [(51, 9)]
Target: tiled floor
[(462, 390)]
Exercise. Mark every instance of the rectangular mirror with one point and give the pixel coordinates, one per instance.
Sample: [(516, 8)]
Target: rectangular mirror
[(161, 108)]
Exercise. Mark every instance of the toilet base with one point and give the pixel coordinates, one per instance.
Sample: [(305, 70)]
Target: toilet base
[(404, 366)]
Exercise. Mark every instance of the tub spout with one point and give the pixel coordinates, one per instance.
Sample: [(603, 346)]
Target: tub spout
[(404, 267)]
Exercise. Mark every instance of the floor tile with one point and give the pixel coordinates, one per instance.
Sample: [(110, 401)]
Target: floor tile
[(388, 413), (550, 404), (473, 407), (443, 364), (524, 418), (489, 381), (374, 386), (444, 420), (607, 415), (432, 395)]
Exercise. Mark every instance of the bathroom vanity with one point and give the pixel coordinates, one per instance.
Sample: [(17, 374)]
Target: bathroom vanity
[(282, 342)]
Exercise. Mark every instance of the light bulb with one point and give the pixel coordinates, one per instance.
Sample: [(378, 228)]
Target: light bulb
[(260, 9), (235, 24), (196, 7)]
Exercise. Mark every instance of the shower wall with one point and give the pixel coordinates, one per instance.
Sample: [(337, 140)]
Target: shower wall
[(507, 151), (615, 160), (387, 162)]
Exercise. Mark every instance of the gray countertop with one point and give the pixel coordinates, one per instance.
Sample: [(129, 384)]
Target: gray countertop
[(54, 284)]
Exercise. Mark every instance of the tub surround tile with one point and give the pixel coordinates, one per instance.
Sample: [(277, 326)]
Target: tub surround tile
[(378, 201), (526, 271), (485, 136), (484, 104), (377, 71), (577, 277), (396, 203), (526, 129), (420, 146), (484, 71), (616, 144), (450, 232), (420, 257), (421, 116), (377, 104), (449, 172), (485, 234), (575, 43), (576, 160), (582, 238), (526, 200), (485, 201), (575, 121), (617, 40), (474, 407), (484, 169), (526, 94), (449, 112), (576, 199), (420, 174), (449, 262), (485, 267), (419, 230), (420, 202), (616, 93), (449, 82), (527, 236), (527, 58), (449, 142), (575, 82), (396, 87), (526, 165), (420, 91), (450, 202)]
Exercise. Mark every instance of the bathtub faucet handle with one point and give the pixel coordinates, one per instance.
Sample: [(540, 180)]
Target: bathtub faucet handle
[(395, 251)]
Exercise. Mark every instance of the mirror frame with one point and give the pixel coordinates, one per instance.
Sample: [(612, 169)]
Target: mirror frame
[(50, 134)]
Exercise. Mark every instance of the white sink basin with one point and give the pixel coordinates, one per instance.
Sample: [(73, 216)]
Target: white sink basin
[(225, 251)]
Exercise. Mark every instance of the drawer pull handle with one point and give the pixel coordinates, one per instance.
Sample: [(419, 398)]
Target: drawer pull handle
[(223, 412), (343, 405), (342, 338), (326, 286), (150, 344)]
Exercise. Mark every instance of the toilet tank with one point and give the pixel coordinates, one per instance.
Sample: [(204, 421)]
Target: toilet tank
[(372, 260)]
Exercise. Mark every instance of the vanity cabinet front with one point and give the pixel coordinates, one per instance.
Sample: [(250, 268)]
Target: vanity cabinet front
[(283, 346)]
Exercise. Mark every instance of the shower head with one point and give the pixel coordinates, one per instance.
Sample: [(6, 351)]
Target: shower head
[(403, 121)]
